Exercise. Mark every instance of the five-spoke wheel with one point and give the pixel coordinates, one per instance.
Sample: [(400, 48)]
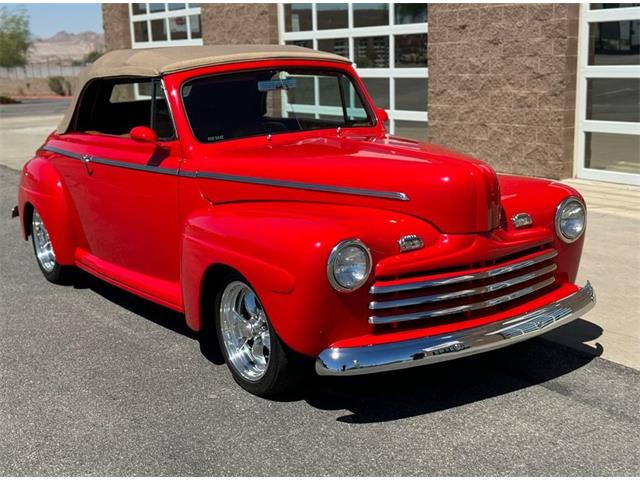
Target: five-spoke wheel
[(45, 255), (245, 330), (255, 355)]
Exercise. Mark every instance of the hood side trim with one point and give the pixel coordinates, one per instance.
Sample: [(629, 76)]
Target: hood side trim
[(270, 182)]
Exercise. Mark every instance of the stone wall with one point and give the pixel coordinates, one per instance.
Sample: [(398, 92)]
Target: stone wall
[(239, 23), (115, 21), (502, 84), (30, 87)]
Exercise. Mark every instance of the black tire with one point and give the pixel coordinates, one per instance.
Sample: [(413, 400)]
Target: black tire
[(52, 271), (286, 369)]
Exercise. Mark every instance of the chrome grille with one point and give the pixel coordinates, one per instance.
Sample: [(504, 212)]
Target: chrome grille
[(458, 293)]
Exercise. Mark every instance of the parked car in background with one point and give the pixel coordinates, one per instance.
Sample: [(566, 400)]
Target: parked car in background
[(256, 190)]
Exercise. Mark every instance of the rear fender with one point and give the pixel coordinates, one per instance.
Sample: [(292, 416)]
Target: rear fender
[(42, 188)]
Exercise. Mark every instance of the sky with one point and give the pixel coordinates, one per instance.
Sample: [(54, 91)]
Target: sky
[(47, 19)]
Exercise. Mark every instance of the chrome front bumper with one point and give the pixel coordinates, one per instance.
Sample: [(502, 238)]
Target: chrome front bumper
[(440, 348)]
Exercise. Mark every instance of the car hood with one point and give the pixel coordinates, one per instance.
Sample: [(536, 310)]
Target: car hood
[(453, 192)]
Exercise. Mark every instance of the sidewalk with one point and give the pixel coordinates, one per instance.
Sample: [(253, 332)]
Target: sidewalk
[(611, 261)]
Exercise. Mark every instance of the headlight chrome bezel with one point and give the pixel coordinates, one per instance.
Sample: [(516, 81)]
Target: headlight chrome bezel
[(558, 218), (353, 242)]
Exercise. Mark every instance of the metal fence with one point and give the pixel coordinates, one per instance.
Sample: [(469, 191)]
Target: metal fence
[(41, 70)]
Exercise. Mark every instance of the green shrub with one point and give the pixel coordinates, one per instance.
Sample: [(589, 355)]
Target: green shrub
[(59, 86), (4, 100)]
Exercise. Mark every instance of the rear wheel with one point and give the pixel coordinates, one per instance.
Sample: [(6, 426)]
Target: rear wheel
[(45, 255), (258, 360)]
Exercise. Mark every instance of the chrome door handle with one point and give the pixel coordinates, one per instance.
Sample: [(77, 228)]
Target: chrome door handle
[(86, 159)]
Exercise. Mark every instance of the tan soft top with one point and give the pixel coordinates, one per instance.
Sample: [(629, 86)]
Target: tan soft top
[(155, 62)]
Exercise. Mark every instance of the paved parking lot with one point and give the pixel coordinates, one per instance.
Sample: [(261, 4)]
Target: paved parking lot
[(94, 381)]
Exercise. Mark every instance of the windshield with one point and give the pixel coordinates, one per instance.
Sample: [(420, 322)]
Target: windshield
[(245, 104)]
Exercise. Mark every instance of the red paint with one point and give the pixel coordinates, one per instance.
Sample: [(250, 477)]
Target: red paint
[(156, 235), (144, 134)]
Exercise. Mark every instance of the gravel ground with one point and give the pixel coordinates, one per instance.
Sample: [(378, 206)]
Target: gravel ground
[(94, 381)]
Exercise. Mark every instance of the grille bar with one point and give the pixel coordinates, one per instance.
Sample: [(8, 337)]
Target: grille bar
[(377, 320), (438, 297), (442, 281)]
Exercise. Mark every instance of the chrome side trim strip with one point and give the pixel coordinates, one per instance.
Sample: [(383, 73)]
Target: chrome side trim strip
[(438, 282), (405, 317), (364, 192), (449, 346), (305, 186), (112, 163), (60, 151), (438, 297)]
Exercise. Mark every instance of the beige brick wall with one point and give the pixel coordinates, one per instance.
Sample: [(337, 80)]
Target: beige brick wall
[(239, 23), (115, 21), (502, 84)]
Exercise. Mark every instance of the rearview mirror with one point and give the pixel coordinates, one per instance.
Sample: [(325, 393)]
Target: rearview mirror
[(382, 115), (143, 134)]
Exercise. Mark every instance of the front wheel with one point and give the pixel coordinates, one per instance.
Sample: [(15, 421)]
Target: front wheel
[(259, 361), (45, 255)]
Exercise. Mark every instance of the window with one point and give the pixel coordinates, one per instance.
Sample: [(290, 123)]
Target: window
[(386, 41), (608, 94), (138, 8), (297, 17), (332, 15), (614, 43), (410, 13), (411, 50), (245, 104), (163, 25), (115, 106), (370, 14), (178, 28), (372, 52)]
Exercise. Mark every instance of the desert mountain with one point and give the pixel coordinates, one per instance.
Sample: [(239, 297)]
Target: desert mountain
[(66, 46)]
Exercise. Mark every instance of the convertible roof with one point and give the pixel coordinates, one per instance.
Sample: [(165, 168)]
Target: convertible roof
[(155, 62)]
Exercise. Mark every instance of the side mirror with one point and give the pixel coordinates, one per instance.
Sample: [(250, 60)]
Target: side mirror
[(143, 134), (382, 115)]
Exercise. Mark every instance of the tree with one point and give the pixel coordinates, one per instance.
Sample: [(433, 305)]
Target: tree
[(14, 37), (92, 56)]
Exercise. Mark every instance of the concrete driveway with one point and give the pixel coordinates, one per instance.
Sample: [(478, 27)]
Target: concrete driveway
[(95, 381)]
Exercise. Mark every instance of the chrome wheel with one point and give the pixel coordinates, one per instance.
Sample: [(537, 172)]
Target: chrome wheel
[(245, 331), (42, 243)]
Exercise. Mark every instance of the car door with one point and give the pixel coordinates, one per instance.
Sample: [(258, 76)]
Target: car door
[(124, 189)]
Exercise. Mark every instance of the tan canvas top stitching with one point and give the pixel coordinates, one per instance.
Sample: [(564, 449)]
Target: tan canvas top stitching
[(154, 62)]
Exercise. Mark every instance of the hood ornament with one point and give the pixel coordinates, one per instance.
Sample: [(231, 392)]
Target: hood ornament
[(521, 220), (410, 242)]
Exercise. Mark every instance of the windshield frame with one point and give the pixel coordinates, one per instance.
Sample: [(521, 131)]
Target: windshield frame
[(331, 69)]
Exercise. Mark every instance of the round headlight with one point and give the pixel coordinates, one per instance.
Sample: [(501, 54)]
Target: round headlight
[(571, 219), (349, 265)]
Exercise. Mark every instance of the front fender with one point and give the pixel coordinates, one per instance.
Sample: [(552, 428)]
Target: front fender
[(540, 199), (41, 186), (282, 249)]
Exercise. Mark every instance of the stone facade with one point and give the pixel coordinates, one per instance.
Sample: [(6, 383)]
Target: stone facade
[(502, 84), (115, 21), (239, 23), (31, 87)]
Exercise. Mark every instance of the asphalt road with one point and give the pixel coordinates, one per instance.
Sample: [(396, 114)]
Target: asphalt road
[(94, 381), (46, 106)]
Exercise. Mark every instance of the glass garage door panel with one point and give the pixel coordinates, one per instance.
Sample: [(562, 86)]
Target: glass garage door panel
[(613, 99), (608, 109), (612, 152), (165, 24), (387, 43)]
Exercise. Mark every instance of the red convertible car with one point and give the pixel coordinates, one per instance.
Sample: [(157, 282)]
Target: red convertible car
[(256, 190)]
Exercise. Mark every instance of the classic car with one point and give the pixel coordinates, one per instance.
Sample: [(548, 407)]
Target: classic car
[(256, 190)]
